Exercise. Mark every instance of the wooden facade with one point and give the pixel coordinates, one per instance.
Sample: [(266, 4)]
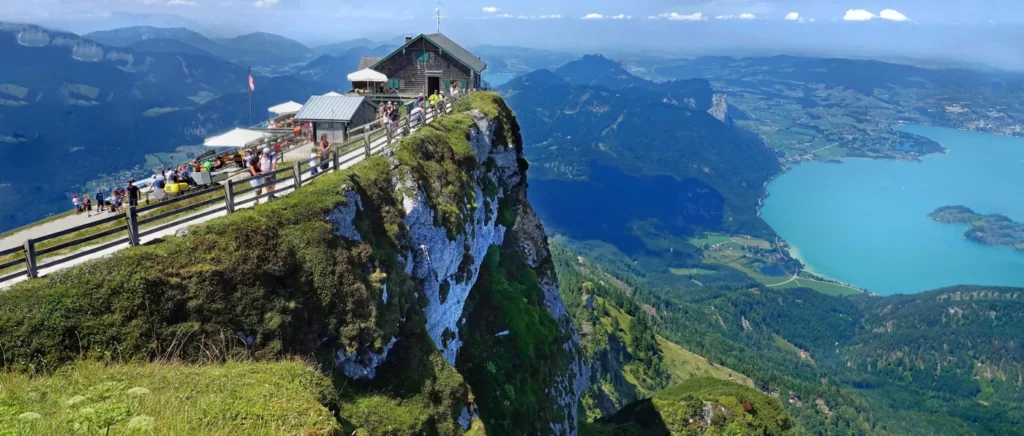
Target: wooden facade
[(423, 66)]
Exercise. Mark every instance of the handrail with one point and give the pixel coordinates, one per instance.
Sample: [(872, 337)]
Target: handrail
[(339, 157)]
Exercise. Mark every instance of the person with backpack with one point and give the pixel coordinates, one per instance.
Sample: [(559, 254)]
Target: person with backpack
[(99, 200)]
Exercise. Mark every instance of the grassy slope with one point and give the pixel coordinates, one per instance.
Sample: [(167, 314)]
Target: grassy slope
[(680, 363), (235, 398), (276, 276), (679, 411)]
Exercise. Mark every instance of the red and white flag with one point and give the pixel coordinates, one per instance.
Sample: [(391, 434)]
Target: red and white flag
[(252, 83)]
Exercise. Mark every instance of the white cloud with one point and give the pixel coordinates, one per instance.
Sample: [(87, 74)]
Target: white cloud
[(264, 3), (490, 9), (520, 17), (793, 16), (858, 15), (743, 16), (605, 17), (892, 15), (180, 3), (696, 16)]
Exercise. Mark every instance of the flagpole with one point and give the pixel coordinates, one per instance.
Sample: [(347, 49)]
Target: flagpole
[(250, 98)]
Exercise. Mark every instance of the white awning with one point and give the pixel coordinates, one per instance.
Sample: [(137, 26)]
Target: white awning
[(367, 75), (332, 94), (235, 138), (290, 107)]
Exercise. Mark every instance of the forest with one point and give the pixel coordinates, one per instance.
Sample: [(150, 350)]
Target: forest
[(941, 362)]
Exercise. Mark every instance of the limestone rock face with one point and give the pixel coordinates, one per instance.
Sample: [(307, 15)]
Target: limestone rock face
[(720, 108), (445, 265)]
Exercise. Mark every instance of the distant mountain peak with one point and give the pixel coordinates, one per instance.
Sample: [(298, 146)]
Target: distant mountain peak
[(536, 78)]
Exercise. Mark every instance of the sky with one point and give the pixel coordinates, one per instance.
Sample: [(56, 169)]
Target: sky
[(978, 31)]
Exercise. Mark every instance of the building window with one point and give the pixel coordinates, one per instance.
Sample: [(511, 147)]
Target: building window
[(423, 56), (394, 83), (462, 85)]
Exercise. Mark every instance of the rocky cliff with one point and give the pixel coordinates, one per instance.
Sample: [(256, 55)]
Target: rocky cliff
[(423, 278), (720, 108)]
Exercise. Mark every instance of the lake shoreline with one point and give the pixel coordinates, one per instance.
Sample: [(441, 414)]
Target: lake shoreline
[(986, 157)]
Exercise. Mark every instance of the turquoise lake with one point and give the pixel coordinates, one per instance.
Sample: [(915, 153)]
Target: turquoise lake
[(498, 79), (865, 222)]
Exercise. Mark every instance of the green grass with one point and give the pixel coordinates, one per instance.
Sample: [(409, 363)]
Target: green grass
[(88, 397), (678, 410), (690, 271), (277, 275), (680, 363), (710, 239), (825, 287)]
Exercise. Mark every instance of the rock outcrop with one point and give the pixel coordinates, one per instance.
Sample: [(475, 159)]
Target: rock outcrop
[(404, 273), (720, 108)]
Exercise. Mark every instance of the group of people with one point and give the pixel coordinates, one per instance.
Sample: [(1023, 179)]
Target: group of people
[(389, 114), (318, 156), (113, 203), (261, 165)]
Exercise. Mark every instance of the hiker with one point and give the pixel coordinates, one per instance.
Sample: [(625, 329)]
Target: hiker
[(78, 204), (255, 172), (87, 205), (453, 90), (434, 98), (133, 193), (268, 164), (158, 188), (99, 200)]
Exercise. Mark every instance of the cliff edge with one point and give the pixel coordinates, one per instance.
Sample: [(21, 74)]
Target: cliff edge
[(419, 282)]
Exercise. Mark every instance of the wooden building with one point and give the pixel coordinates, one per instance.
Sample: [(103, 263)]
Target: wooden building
[(427, 63), (334, 114)]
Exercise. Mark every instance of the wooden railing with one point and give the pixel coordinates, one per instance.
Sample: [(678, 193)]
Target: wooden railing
[(129, 229)]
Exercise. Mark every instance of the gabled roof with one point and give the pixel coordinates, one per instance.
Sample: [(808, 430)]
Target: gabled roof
[(446, 45), (368, 61), (330, 108)]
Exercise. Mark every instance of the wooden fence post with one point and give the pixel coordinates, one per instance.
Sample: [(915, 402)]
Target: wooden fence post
[(229, 196), (30, 259), (334, 157), (366, 142), (298, 174), (132, 219), (387, 128)]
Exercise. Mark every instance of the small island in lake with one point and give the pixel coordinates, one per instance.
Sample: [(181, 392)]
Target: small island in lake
[(991, 229)]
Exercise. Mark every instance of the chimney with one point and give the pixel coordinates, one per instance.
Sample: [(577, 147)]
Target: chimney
[(408, 39)]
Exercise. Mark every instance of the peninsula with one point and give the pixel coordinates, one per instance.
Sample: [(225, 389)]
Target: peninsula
[(991, 229)]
